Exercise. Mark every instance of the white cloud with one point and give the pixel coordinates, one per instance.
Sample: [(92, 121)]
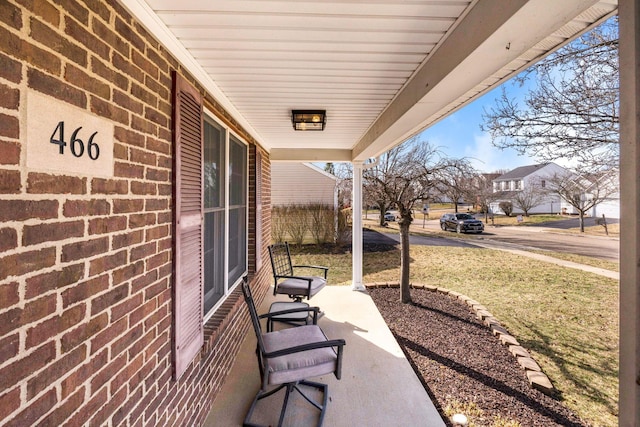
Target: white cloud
[(487, 158)]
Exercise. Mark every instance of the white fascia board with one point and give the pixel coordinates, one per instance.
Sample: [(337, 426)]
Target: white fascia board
[(309, 155)]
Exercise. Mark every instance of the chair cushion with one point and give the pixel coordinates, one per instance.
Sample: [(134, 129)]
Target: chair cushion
[(299, 287), (302, 365), (289, 305)]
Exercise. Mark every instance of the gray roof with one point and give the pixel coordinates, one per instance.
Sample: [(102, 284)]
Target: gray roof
[(520, 172)]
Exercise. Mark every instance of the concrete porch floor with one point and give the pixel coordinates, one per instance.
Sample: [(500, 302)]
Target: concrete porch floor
[(378, 386)]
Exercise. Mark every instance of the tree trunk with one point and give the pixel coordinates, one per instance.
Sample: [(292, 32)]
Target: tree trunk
[(383, 210), (405, 295), (581, 221)]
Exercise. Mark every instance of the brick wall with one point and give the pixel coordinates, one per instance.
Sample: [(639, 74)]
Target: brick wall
[(85, 262)]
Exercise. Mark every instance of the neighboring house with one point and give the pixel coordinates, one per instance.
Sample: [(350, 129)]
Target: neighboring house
[(529, 178), (301, 184)]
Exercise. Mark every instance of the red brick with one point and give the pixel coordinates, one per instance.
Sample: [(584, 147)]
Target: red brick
[(55, 370), (47, 36), (46, 282), (100, 8), (128, 272), (157, 174), (108, 110), (146, 65), (106, 263), (9, 126), (61, 413), (77, 77), (109, 186), (86, 207), (9, 151), (129, 34), (82, 333), (38, 309), (155, 116), (142, 312), (42, 183), (108, 372), (8, 295), (157, 260), (124, 410), (129, 338), (109, 224), (158, 146), (9, 97), (128, 170), (9, 348), (85, 371), (122, 240), (35, 410), (127, 205), (15, 372), (86, 411), (113, 331), (109, 299), (10, 69), (142, 251), (115, 401), (144, 281), (142, 220), (56, 88), (156, 233), (9, 180), (20, 210), (88, 40), (84, 249), (85, 290), (9, 401), (25, 262), (51, 327), (129, 375), (8, 239), (10, 15), (34, 234), (109, 37), (161, 90), (127, 102), (44, 10), (144, 188), (144, 157), (121, 63), (144, 125), (108, 73)]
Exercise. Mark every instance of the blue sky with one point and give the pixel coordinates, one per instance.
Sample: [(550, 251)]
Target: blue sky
[(459, 135)]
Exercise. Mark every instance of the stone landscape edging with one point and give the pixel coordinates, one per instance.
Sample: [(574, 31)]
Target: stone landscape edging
[(537, 379)]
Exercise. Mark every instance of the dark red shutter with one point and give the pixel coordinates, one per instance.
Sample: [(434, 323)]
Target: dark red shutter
[(188, 226)]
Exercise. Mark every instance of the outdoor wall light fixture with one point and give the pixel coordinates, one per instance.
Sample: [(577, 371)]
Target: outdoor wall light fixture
[(308, 119)]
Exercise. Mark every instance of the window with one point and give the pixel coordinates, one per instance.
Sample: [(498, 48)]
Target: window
[(518, 184), (543, 183), (225, 213), (210, 227)]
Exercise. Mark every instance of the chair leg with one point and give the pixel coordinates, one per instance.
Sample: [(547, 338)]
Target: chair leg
[(290, 387)]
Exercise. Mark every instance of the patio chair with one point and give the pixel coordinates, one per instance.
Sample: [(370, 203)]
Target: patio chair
[(288, 357), (297, 287)]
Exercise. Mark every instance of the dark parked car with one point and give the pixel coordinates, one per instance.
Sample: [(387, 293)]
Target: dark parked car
[(461, 222)]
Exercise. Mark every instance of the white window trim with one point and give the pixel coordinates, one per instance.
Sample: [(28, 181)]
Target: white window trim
[(209, 115)]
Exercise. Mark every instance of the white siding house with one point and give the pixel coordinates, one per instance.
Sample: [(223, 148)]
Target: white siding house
[(525, 178), (302, 183)]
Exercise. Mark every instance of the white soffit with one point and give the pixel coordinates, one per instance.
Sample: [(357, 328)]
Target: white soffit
[(358, 60)]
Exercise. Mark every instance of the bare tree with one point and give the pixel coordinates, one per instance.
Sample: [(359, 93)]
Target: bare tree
[(572, 111), (406, 175), (584, 191), (456, 182), (480, 190), (532, 195)]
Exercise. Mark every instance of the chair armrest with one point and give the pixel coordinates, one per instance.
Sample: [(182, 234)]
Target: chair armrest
[(315, 311), (305, 347), (319, 267)]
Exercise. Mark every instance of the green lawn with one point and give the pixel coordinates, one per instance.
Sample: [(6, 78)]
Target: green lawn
[(567, 318)]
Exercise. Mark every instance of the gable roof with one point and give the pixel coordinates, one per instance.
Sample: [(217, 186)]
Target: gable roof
[(521, 172)]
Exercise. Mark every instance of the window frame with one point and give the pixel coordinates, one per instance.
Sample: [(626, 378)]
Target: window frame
[(209, 116)]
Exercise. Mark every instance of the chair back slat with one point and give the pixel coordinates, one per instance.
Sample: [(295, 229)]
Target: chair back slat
[(255, 320), (281, 260)]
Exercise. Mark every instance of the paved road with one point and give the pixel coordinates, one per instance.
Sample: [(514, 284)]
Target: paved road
[(530, 237)]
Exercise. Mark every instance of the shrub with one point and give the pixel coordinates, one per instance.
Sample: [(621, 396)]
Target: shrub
[(507, 208)]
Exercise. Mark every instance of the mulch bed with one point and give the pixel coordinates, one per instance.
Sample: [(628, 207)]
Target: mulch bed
[(459, 360)]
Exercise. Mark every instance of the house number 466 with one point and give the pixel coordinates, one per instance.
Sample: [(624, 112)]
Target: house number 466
[(76, 144)]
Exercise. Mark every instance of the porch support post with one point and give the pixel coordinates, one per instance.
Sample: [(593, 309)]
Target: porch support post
[(356, 230), (629, 407)]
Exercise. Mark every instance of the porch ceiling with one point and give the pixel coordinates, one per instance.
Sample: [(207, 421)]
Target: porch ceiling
[(384, 70)]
